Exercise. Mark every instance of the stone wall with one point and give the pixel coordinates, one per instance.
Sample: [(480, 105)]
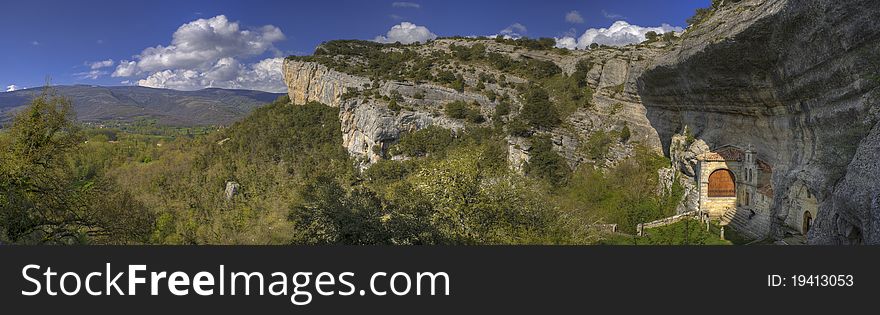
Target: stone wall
[(716, 206), (802, 201)]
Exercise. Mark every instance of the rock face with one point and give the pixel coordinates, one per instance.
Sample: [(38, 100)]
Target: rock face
[(231, 189), (309, 81), (369, 126), (798, 81)]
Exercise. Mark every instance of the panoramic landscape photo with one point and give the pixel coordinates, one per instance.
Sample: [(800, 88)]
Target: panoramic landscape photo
[(711, 122)]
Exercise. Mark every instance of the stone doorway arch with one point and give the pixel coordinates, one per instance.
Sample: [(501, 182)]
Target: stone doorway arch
[(722, 183), (808, 222)]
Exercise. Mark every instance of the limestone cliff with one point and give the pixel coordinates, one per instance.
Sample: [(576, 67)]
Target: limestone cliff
[(798, 81), (369, 126), (313, 82)]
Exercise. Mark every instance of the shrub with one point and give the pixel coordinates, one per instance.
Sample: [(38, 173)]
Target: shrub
[(626, 194), (429, 140), (395, 95), (699, 16), (491, 95), (625, 134), (538, 110), (444, 76), (458, 84), (545, 163), (598, 144), (475, 52), (461, 110), (502, 109), (392, 105), (456, 109), (518, 128), (350, 92)]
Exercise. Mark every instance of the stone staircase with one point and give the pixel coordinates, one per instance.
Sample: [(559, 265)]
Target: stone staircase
[(738, 220)]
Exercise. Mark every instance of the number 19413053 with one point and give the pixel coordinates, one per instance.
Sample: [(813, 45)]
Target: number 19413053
[(817, 280)]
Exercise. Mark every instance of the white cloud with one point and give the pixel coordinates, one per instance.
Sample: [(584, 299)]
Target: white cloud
[(402, 4), (611, 16), (227, 73), (93, 74), (204, 41), (567, 42), (95, 71), (574, 17), (12, 88), (620, 33), (514, 30), (101, 64), (35, 43), (209, 53), (125, 69), (406, 33)]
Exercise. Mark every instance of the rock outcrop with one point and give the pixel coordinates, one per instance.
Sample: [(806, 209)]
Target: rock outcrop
[(798, 81), (369, 126), (314, 82)]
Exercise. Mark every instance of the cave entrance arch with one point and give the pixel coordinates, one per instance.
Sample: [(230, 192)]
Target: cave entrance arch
[(722, 183)]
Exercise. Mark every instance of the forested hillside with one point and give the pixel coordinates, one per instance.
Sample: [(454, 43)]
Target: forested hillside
[(127, 105), (296, 184)]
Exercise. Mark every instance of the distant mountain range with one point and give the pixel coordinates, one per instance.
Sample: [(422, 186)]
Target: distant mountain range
[(133, 103)]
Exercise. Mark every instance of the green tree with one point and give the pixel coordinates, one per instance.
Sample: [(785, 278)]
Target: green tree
[(461, 110), (474, 204), (330, 215), (538, 110), (625, 134), (545, 163), (43, 200), (425, 141), (456, 109)]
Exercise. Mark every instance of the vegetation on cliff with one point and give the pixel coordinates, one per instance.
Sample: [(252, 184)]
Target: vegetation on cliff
[(545, 81), (297, 185)]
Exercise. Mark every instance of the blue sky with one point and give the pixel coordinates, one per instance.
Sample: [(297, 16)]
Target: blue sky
[(188, 45)]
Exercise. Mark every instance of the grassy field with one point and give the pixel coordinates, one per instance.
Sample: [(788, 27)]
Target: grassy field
[(685, 232)]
